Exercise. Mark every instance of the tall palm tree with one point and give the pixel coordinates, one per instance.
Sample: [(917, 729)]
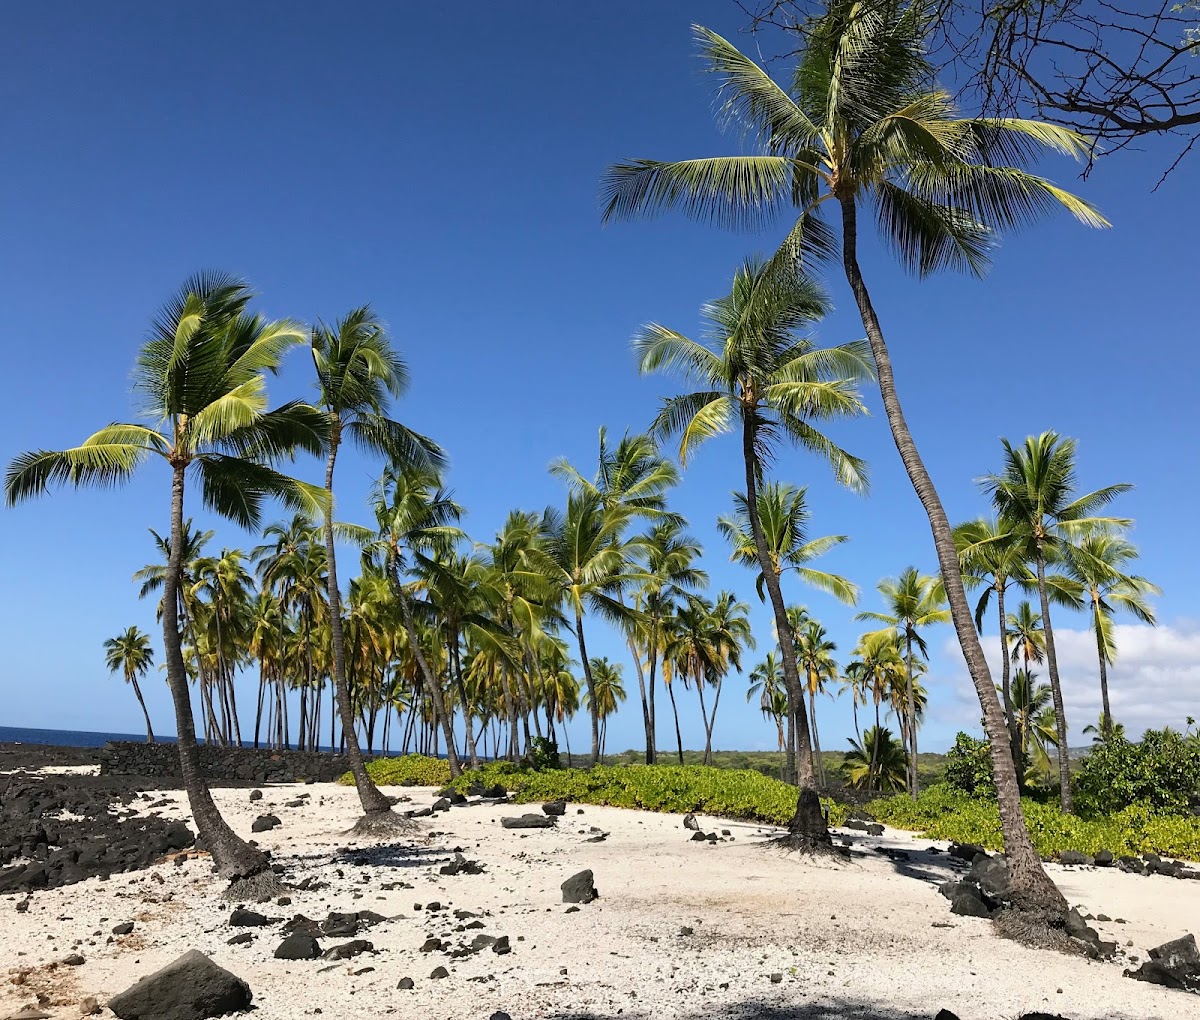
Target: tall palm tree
[(1097, 563), (668, 555), (357, 371), (727, 632), (130, 653), (766, 683), (878, 668), (1033, 704), (760, 378), (607, 692), (814, 653), (865, 120), (1034, 492), (914, 601), (200, 376), (879, 762), (784, 517), (580, 558)]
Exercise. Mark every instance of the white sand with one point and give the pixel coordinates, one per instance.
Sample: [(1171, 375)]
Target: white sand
[(871, 940)]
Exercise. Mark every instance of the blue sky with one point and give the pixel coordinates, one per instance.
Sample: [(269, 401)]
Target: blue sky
[(442, 163)]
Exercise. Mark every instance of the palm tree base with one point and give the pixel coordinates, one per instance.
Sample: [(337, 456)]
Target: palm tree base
[(1038, 928), (807, 832), (381, 823), (255, 888)]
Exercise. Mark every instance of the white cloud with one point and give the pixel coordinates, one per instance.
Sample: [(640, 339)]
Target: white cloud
[(1155, 681)]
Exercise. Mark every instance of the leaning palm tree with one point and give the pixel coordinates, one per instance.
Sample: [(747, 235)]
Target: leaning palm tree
[(1034, 493), (131, 654), (357, 371), (1097, 563), (200, 376), (865, 121), (763, 380), (914, 601)]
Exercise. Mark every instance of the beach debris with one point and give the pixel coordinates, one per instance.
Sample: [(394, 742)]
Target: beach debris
[(298, 946), (1174, 964), (528, 822), (580, 888), (555, 807), (265, 823), (190, 988)]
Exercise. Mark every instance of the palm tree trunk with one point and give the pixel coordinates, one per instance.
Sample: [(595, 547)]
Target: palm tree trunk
[(593, 707), (812, 714), (1014, 736), (1060, 711), (1032, 887), (234, 857), (704, 720), (454, 664), (911, 712), (373, 801), (651, 738), (712, 722), (675, 710), (1105, 710), (138, 693), (641, 679), (808, 822), (262, 693)]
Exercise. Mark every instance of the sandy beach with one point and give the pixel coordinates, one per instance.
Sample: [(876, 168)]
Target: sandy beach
[(681, 929)]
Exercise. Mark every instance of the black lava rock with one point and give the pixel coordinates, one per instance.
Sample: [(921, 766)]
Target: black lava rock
[(528, 822), (298, 947), (241, 918), (124, 928), (555, 807), (265, 823), (1175, 964), (346, 950), (190, 988), (579, 888)]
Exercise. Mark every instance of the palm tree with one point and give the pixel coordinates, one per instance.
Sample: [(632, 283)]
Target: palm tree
[(200, 375), (131, 654), (606, 693), (866, 120), (668, 555), (1034, 493), (784, 516), (914, 601), (766, 682), (357, 370), (758, 376), (878, 667), (1036, 725), (814, 654), (1097, 563), (580, 558), (879, 762), (727, 632)]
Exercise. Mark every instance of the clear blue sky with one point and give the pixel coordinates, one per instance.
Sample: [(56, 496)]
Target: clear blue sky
[(442, 163)]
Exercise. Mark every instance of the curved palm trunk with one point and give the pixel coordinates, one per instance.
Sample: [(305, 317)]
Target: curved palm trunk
[(651, 737), (373, 801), (641, 679), (707, 759), (675, 710), (1031, 885), (712, 722), (809, 820), (1105, 710), (1060, 710), (138, 693), (233, 856), (432, 688), (454, 662), (593, 707)]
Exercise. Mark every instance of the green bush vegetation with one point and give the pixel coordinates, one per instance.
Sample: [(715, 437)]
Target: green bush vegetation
[(969, 767), (941, 812), (1162, 770)]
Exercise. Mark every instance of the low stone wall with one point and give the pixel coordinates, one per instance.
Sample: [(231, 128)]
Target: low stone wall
[(223, 764)]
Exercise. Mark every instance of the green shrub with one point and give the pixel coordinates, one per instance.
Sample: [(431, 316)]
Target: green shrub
[(543, 754), (409, 770), (969, 767), (1163, 770), (942, 812)]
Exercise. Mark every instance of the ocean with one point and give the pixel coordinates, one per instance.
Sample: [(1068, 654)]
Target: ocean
[(67, 738)]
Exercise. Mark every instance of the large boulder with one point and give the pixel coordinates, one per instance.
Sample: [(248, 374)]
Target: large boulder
[(1175, 964), (298, 946), (579, 888), (967, 902), (191, 988), (992, 876), (528, 822)]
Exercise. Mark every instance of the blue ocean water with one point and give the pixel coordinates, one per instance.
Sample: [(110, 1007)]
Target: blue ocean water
[(66, 738)]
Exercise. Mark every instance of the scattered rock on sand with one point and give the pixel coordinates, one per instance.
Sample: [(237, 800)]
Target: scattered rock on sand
[(966, 851), (1075, 857), (240, 939), (580, 888), (346, 950), (992, 876), (1175, 964), (689, 822), (124, 928), (74, 960), (528, 822), (265, 823), (439, 972), (298, 946), (190, 988), (405, 983), (461, 866), (555, 807), (242, 918), (256, 794), (88, 1006)]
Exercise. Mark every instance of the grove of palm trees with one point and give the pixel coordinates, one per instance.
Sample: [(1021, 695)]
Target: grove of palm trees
[(683, 628)]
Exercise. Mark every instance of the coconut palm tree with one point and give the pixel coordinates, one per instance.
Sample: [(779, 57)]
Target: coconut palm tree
[(878, 668), (1034, 493), (727, 633), (866, 121), (814, 654), (766, 683), (607, 692), (1097, 563), (201, 379), (130, 653), (762, 379), (914, 601), (357, 371), (1033, 705), (879, 762)]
